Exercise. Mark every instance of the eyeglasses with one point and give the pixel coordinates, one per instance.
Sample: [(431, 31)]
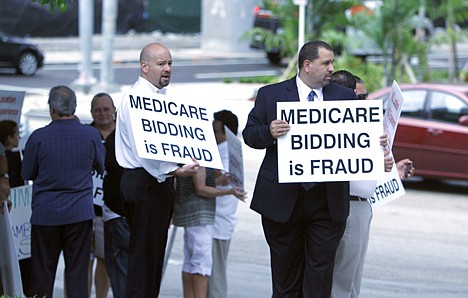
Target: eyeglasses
[(362, 96)]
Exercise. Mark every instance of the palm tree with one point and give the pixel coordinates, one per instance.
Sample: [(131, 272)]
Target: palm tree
[(452, 11), (61, 5), (322, 15), (390, 28)]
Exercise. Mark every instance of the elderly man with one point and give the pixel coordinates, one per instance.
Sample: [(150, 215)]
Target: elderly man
[(59, 158)]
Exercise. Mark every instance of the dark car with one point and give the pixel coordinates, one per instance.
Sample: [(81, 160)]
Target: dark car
[(265, 19), (19, 54), (433, 129)]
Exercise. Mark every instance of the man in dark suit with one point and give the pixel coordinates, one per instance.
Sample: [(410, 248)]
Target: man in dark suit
[(302, 227)]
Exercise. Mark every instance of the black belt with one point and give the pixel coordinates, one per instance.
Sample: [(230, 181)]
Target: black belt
[(356, 198)]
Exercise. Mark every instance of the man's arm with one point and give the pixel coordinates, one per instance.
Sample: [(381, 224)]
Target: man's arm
[(259, 130), (99, 160)]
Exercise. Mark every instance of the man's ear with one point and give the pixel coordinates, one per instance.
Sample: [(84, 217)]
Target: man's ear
[(144, 67)]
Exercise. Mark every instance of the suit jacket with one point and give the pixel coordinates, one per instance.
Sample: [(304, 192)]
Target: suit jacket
[(272, 199)]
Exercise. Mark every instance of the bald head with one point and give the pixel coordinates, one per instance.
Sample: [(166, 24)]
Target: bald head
[(156, 64)]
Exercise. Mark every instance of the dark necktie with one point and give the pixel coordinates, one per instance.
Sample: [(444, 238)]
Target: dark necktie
[(309, 185), (311, 96)]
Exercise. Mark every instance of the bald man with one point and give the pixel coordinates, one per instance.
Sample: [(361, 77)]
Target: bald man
[(147, 185)]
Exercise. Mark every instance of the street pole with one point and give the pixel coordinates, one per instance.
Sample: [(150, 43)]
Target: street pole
[(86, 12), (302, 4), (109, 17)]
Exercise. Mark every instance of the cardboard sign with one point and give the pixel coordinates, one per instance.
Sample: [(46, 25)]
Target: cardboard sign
[(391, 187), (9, 266), (11, 103), (98, 191), (236, 162), (388, 189), (392, 113), (174, 131), (20, 216), (330, 141)]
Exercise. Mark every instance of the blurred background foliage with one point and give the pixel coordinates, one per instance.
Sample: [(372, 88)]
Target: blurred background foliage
[(402, 32)]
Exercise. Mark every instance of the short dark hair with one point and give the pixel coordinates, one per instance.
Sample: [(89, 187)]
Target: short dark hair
[(309, 51), (344, 78), (63, 100), (7, 128), (99, 95), (229, 119)]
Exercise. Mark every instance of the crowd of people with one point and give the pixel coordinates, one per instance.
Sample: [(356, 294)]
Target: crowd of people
[(317, 232)]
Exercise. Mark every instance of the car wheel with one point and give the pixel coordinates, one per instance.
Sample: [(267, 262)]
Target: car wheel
[(27, 64), (274, 58)]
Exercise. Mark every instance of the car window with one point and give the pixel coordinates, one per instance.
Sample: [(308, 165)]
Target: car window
[(413, 105), (446, 107)]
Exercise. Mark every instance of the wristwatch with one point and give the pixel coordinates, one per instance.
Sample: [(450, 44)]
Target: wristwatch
[(5, 175)]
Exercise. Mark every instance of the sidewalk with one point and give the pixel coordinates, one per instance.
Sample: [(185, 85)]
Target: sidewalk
[(127, 47)]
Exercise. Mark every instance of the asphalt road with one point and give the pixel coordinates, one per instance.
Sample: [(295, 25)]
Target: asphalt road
[(418, 246), (200, 71)]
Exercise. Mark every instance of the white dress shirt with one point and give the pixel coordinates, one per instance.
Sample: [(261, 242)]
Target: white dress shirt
[(125, 148), (304, 91)]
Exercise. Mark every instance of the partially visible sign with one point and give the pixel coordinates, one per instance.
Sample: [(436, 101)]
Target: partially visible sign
[(20, 215), (9, 266), (391, 187), (392, 113), (236, 162), (98, 191), (11, 103), (387, 190)]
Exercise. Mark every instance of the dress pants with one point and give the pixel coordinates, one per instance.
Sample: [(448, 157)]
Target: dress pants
[(150, 205), (217, 282), (46, 244), (351, 252), (302, 250)]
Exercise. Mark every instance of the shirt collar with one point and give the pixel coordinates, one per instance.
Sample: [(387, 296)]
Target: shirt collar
[(152, 87), (304, 90)]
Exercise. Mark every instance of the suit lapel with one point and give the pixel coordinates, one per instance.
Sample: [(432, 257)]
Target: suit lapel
[(291, 90)]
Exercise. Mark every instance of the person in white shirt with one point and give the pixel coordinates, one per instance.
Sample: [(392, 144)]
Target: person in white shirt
[(226, 210), (147, 185), (352, 250)]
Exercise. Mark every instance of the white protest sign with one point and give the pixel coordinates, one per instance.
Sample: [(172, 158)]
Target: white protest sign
[(391, 187), (173, 131), (330, 141), (236, 162), (11, 103), (387, 190), (392, 113), (98, 192), (9, 266), (20, 216)]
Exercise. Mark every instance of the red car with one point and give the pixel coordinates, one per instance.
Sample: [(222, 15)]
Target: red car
[(433, 129)]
